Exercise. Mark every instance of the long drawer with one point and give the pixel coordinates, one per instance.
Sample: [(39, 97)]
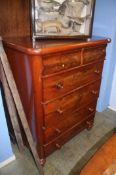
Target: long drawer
[(56, 124), (56, 86), (74, 100), (59, 141)]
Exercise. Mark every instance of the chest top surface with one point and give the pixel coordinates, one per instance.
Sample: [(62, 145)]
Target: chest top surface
[(43, 47)]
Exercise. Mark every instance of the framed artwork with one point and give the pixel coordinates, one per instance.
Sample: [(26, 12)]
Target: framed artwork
[(62, 18)]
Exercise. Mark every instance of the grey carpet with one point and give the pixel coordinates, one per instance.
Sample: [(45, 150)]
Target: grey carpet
[(75, 153)]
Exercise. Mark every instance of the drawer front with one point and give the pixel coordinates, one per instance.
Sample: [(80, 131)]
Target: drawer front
[(93, 54), (56, 123), (58, 62), (74, 100), (59, 141), (61, 84)]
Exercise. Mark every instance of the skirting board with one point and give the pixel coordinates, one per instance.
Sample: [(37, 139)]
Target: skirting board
[(6, 162), (113, 109)]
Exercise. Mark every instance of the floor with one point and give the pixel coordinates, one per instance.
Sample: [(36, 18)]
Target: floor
[(103, 160), (70, 158)]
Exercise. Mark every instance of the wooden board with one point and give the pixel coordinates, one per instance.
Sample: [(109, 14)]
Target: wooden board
[(102, 159), (7, 76)]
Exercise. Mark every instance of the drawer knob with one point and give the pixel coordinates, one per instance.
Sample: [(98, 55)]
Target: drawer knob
[(59, 111), (91, 109), (58, 146), (44, 128), (63, 65), (94, 92), (97, 71), (58, 130), (59, 85)]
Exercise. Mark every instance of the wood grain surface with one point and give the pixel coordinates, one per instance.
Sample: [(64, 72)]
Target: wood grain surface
[(102, 159)]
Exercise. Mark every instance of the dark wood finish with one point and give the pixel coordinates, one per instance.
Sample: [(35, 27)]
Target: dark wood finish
[(62, 122), (104, 160), (96, 54), (59, 62), (58, 117), (75, 99), (68, 134), (63, 83), (58, 82), (15, 18)]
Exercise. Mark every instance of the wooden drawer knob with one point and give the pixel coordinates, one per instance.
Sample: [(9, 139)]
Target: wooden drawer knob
[(89, 125), (44, 128), (59, 85), (58, 130), (62, 65), (58, 146), (59, 111), (91, 109), (94, 92), (97, 71)]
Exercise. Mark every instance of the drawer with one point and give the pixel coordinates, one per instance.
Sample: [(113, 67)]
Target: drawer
[(74, 100), (59, 62), (61, 84), (54, 118), (59, 141), (57, 124), (93, 54)]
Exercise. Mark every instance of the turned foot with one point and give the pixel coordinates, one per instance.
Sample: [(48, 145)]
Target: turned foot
[(89, 125), (42, 161)]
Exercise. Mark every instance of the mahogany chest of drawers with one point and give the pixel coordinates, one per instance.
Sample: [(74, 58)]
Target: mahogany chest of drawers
[(58, 82)]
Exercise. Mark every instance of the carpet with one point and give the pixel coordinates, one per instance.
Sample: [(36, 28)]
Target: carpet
[(77, 168), (74, 154)]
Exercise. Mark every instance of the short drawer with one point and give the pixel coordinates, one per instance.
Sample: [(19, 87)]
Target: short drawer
[(57, 124), (61, 84), (94, 54), (74, 100), (59, 62), (68, 134)]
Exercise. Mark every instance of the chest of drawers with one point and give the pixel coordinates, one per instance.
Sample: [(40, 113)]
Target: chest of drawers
[(58, 82)]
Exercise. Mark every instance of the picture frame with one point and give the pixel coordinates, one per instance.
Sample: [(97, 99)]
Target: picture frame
[(62, 18)]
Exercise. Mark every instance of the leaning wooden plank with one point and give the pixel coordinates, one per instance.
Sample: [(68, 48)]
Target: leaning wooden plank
[(11, 109), (18, 103)]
